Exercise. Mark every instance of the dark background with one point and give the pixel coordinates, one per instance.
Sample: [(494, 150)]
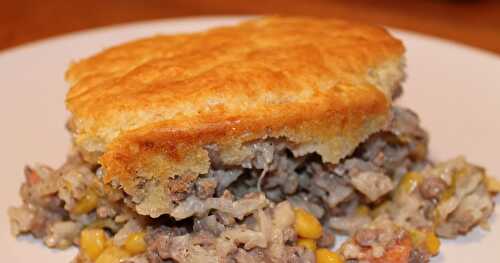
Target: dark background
[(475, 23)]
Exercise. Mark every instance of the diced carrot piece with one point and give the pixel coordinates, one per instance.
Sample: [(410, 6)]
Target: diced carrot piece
[(32, 177), (399, 253)]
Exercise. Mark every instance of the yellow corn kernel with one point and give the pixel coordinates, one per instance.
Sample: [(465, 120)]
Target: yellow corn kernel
[(432, 243), (307, 243), (492, 184), (436, 216), (362, 210), (450, 191), (485, 225), (135, 243), (409, 182), (380, 209), (306, 225), (417, 237), (447, 194), (109, 243), (86, 204), (92, 242), (112, 254), (324, 255)]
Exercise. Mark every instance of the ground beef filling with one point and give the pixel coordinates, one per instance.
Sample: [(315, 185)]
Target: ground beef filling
[(325, 190), (387, 194)]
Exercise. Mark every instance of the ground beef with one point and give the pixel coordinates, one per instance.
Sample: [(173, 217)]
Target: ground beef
[(418, 256), (366, 237), (451, 197), (432, 187), (244, 213), (376, 242), (213, 241), (327, 239), (205, 187)]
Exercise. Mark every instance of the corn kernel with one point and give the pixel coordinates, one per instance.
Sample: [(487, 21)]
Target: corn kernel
[(447, 194), (135, 243), (492, 184), (92, 242), (362, 210), (306, 225), (324, 255), (417, 237), (432, 243), (381, 209), (112, 254), (450, 191), (86, 204), (437, 216), (110, 242), (307, 243), (484, 225), (409, 182)]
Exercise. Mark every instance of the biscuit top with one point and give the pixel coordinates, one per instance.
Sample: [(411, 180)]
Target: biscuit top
[(255, 79)]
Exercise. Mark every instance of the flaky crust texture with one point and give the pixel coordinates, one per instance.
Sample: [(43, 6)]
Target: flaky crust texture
[(147, 108)]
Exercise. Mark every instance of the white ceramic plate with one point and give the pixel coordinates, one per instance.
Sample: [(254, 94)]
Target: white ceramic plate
[(455, 89)]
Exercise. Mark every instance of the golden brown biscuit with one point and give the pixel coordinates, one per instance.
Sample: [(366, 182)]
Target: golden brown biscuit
[(146, 110)]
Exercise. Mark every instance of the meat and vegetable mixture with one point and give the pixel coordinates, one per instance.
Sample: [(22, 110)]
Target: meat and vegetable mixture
[(388, 197)]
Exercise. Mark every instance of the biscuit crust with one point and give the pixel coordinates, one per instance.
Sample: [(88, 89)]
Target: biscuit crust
[(147, 108)]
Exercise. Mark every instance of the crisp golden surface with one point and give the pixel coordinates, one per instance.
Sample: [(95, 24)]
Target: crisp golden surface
[(147, 108)]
